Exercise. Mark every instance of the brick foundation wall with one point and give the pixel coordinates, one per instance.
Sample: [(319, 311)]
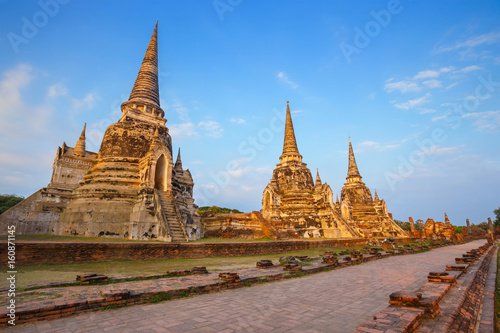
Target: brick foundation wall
[(468, 313), (30, 252)]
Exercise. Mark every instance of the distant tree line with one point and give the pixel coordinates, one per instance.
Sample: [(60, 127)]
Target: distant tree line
[(217, 210), (497, 215), (406, 226), (9, 200)]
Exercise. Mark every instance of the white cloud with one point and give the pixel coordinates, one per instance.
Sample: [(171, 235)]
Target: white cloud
[(439, 117), (211, 128), (485, 121), (183, 130), (264, 170), (469, 68), (452, 85), (489, 38), (426, 74), (10, 87), (438, 150), (16, 117), (425, 110), (237, 120), (57, 90), (249, 188), (413, 84), (410, 137), (413, 102), (240, 172), (432, 83), (181, 110), (284, 78), (429, 73), (447, 69), (402, 86), (447, 104), (372, 145), (85, 103)]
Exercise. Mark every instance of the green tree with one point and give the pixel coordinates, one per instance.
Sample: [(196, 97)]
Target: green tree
[(404, 225), (497, 215), (217, 210), (418, 225), (483, 225), (8, 200)]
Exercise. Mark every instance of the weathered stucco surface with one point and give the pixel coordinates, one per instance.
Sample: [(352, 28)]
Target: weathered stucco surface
[(130, 189), (293, 202)]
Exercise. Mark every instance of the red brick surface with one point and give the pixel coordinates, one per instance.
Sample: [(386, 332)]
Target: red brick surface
[(30, 253)]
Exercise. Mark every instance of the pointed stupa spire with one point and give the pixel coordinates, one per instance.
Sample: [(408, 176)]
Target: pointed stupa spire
[(80, 144), (446, 219), (290, 150), (145, 89), (376, 196), (290, 144), (353, 168), (178, 162), (338, 203), (318, 179)]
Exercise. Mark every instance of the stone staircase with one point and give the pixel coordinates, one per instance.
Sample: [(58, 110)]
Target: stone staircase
[(172, 218)]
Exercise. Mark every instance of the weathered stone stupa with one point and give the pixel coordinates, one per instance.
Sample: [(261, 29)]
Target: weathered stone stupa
[(292, 201), (439, 230), (131, 188), (367, 215)]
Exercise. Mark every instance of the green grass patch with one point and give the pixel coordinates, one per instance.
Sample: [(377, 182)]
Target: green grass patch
[(110, 307), (38, 274), (160, 297)]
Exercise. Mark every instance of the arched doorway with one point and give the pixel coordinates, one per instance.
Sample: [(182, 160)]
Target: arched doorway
[(329, 198), (345, 211), (161, 174), (267, 200)]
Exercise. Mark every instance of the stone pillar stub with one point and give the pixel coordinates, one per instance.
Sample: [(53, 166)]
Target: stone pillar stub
[(412, 224)]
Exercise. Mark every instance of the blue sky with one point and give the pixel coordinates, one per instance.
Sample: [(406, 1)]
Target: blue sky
[(416, 84)]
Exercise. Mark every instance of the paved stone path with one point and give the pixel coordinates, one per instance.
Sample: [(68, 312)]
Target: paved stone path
[(335, 301)]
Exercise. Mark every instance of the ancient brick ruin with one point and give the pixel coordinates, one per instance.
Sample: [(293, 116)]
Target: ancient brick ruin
[(130, 189), (367, 215), (440, 230), (293, 201)]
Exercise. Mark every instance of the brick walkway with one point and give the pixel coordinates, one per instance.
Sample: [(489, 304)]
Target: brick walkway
[(335, 301)]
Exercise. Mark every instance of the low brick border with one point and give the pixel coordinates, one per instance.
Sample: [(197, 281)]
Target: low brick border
[(487, 318), (467, 316), (116, 298), (110, 280), (37, 253), (409, 309)]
